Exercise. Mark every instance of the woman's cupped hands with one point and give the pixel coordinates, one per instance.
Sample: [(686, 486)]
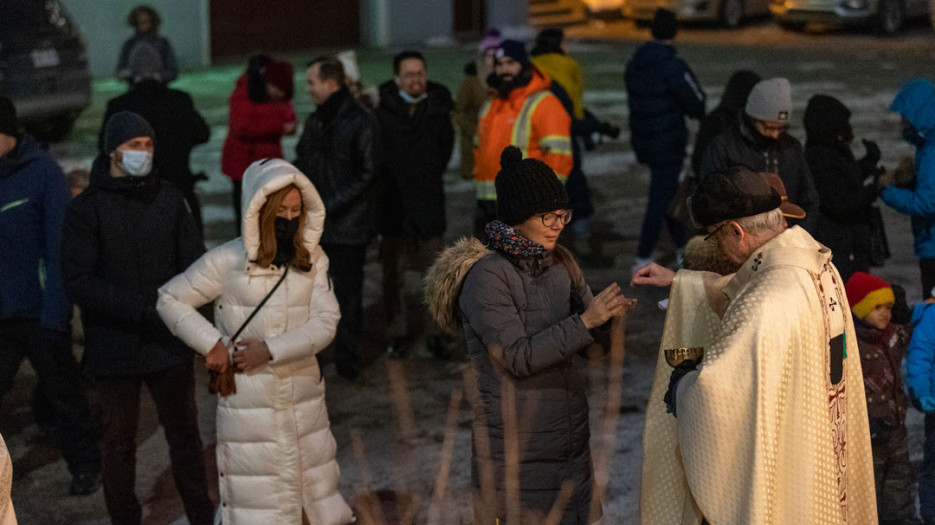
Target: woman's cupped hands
[(609, 303)]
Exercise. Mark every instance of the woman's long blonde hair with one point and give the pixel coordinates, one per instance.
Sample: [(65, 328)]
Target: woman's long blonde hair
[(267, 251)]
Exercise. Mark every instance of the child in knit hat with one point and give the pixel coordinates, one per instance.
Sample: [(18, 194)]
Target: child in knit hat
[(882, 346)]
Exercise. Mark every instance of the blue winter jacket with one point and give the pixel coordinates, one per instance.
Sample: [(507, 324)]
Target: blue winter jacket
[(916, 103), (33, 199), (661, 91), (920, 359)]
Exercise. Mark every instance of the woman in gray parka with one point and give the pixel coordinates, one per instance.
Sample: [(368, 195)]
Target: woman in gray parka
[(526, 311)]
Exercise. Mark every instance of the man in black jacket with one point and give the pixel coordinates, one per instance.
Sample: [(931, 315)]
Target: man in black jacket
[(759, 139), (125, 236), (415, 120), (338, 153), (178, 126), (661, 92)]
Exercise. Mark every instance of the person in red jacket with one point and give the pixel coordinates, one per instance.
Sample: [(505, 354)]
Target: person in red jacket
[(260, 114)]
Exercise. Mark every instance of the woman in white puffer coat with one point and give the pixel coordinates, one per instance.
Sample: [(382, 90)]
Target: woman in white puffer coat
[(275, 450)]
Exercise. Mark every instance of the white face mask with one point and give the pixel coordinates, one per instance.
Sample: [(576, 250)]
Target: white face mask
[(136, 163)]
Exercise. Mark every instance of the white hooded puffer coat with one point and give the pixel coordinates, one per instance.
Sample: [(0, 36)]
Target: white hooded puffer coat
[(275, 450)]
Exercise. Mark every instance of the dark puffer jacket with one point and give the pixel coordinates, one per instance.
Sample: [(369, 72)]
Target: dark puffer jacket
[(33, 198), (522, 325), (416, 150), (661, 92), (124, 238), (784, 156), (725, 114), (339, 153), (843, 221)]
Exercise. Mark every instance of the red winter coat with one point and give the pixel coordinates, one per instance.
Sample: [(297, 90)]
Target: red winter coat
[(254, 130)]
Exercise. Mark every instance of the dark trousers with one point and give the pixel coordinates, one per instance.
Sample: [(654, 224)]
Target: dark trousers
[(76, 431), (236, 195), (892, 472), (173, 392), (927, 474), (347, 275), (663, 184), (927, 268), (484, 212), (397, 256)]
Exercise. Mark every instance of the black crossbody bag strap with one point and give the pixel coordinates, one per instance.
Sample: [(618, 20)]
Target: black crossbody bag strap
[(257, 309)]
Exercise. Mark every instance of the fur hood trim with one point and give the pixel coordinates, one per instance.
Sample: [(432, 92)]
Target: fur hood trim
[(443, 281)]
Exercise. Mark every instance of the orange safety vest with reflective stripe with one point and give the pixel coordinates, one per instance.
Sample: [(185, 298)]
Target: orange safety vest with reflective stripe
[(533, 120)]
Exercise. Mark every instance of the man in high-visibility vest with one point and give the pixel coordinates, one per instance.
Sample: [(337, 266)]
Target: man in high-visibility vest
[(523, 113)]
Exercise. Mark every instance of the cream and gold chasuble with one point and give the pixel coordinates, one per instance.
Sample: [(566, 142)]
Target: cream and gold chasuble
[(773, 428)]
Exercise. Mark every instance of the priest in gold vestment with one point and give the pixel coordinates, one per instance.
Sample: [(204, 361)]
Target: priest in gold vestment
[(770, 427)]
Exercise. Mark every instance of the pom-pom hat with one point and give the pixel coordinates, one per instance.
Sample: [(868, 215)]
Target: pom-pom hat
[(526, 187), (865, 292)]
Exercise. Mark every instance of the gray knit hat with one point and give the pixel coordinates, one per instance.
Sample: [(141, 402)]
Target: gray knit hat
[(771, 100), (144, 63), (526, 187), (124, 126)]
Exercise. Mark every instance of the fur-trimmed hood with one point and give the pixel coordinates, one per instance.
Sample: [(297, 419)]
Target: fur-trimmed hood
[(444, 279)]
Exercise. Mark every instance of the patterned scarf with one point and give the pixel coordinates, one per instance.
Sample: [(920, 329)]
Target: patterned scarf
[(506, 240)]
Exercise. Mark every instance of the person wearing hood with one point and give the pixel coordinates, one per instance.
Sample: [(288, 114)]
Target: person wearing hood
[(418, 138), (722, 117), (846, 186), (760, 140), (523, 113), (661, 91), (35, 315), (145, 22), (274, 311), (172, 115), (124, 236), (260, 113), (915, 103), (525, 309)]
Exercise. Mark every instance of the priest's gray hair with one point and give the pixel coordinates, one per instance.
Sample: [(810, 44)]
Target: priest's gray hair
[(767, 222)]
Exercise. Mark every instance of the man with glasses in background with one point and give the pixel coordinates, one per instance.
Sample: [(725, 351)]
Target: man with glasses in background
[(760, 139)]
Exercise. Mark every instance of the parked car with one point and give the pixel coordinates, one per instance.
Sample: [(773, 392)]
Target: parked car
[(887, 15), (730, 13), (43, 66)]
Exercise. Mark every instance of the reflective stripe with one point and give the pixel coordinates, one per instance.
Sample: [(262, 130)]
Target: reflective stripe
[(485, 107), (557, 144), (42, 274), (485, 190), (13, 204), (523, 127)]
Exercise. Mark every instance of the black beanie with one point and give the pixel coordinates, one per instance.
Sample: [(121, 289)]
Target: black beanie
[(8, 123), (664, 25), (124, 126), (515, 50), (526, 187)]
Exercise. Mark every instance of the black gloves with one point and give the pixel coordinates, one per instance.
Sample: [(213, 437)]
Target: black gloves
[(868, 164), (678, 373)]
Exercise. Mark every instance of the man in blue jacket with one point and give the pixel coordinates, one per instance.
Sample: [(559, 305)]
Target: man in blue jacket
[(35, 316), (661, 92), (915, 102)]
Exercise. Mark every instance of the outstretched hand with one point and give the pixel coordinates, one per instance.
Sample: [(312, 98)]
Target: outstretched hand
[(609, 303), (654, 275)]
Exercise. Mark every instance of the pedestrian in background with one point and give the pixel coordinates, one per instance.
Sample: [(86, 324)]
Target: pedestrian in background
[(726, 113), (124, 236), (661, 91), (339, 152), (35, 315), (274, 311), (847, 187), (172, 115), (920, 382), (145, 21), (915, 103), (882, 345), (260, 114), (418, 138), (472, 93), (526, 311)]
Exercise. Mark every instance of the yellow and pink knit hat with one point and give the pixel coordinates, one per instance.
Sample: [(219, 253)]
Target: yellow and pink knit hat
[(865, 292)]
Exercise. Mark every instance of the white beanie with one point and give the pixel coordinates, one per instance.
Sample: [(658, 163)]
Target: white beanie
[(771, 100)]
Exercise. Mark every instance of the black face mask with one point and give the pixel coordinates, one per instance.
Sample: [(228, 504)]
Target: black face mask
[(285, 240), (912, 136)]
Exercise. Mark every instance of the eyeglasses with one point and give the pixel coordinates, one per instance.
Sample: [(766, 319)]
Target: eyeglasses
[(712, 237), (548, 219)]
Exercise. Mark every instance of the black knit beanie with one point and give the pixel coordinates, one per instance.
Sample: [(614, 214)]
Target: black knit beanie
[(8, 123), (664, 25), (124, 126), (526, 187)]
